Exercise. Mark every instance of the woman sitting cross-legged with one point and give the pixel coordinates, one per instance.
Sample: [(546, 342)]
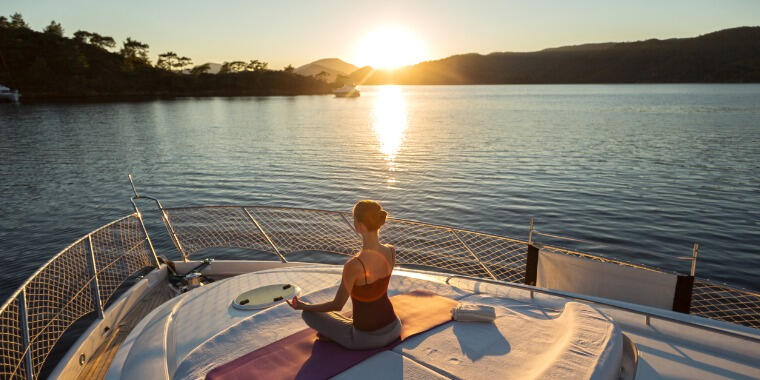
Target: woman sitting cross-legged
[(365, 279)]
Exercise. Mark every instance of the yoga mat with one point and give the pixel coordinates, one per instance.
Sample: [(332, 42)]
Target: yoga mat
[(302, 356)]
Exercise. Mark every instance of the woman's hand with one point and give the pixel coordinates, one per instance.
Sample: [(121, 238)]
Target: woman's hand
[(295, 303)]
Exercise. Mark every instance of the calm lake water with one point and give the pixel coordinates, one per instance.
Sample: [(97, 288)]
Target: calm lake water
[(640, 172)]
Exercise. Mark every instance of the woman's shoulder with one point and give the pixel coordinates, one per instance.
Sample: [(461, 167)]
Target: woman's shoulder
[(390, 254), (353, 264)]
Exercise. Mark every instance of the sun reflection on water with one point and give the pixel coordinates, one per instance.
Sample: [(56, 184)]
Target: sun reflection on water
[(389, 120)]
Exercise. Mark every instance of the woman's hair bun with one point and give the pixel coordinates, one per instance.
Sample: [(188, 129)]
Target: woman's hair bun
[(370, 214), (382, 214)]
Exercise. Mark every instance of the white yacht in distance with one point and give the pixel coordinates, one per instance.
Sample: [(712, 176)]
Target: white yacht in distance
[(559, 313), (347, 91), (8, 95)]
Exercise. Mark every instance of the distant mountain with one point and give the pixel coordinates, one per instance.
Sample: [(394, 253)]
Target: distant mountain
[(213, 67), (731, 55), (332, 66), (583, 47)]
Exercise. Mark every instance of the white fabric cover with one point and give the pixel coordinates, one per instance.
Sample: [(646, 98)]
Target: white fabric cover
[(186, 338), (607, 280), (580, 343)]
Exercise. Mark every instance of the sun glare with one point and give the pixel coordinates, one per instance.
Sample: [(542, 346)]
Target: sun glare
[(390, 120), (390, 47)]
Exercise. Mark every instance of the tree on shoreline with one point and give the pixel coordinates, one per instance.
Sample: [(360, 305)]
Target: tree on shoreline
[(170, 61), (135, 53), (202, 69), (103, 42), (239, 66), (324, 76), (95, 39), (82, 36), (54, 28), (232, 67), (256, 65), (17, 22)]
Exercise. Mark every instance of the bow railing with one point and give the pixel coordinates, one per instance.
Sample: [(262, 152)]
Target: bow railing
[(285, 232), (81, 280), (77, 282)]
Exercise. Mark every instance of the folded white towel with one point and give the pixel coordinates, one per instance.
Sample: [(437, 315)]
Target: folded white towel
[(473, 313)]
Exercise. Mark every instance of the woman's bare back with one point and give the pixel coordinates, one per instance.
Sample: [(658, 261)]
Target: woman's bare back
[(377, 263)]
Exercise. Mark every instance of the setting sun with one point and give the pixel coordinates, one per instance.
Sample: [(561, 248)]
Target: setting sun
[(390, 47)]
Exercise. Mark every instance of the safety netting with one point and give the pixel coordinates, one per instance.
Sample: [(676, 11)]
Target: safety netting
[(85, 276), (284, 231), (74, 283)]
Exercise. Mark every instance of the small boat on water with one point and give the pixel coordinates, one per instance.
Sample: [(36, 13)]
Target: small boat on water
[(558, 313), (7, 95), (347, 91)]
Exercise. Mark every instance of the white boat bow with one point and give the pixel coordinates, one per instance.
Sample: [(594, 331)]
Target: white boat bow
[(183, 325)]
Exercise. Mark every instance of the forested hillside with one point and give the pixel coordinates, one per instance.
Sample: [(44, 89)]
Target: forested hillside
[(48, 65)]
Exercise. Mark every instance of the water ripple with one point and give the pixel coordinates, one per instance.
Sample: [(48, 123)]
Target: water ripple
[(640, 171)]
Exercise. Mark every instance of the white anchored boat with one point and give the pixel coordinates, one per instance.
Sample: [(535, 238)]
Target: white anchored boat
[(347, 91), (7, 95), (560, 313)]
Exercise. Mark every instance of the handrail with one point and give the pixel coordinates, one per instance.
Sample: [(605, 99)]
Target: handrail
[(454, 232), (271, 243), (443, 226), (587, 299), (142, 224), (345, 212), (419, 223)]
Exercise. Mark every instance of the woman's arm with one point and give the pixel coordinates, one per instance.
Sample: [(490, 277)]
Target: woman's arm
[(341, 296)]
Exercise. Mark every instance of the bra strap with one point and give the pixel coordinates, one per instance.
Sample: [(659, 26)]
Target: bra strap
[(364, 270)]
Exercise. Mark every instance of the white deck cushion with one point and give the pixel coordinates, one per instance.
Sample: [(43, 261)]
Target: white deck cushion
[(200, 331), (579, 343)]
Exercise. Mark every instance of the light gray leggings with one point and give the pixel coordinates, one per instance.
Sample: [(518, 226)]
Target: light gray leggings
[(341, 330)]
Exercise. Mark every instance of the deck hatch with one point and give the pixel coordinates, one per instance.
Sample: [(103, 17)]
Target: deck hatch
[(265, 296)]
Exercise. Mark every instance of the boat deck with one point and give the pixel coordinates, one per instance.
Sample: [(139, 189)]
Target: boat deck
[(204, 331), (533, 335), (97, 366)]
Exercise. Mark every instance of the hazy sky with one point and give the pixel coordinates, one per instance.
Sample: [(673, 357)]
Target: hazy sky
[(297, 32)]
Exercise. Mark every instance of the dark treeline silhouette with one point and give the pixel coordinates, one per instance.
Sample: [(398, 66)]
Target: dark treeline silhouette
[(47, 65), (731, 55)]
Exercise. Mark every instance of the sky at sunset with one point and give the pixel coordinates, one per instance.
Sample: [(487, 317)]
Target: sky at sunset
[(297, 32)]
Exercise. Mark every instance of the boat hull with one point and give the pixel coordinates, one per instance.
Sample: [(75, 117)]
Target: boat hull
[(12, 97), (352, 94)]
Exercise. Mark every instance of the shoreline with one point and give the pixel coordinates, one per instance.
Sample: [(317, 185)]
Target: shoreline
[(109, 98), (35, 99)]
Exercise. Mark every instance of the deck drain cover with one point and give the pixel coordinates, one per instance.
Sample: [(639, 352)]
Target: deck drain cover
[(265, 296)]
